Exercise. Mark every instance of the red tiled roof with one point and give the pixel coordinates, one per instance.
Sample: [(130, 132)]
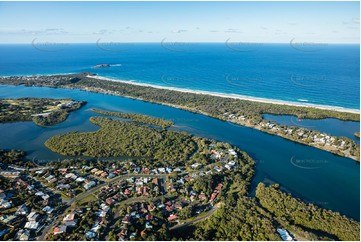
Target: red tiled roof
[(149, 217), (172, 217), (219, 187), (213, 196), (151, 207), (109, 200), (169, 208)]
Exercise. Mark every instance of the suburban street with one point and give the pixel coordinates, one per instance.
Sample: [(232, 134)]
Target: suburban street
[(197, 219), (46, 230)]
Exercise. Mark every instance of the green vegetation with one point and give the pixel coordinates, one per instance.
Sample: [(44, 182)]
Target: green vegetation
[(137, 118), (117, 138), (307, 215), (11, 156), (87, 199), (52, 118), (241, 220), (43, 111), (14, 157)]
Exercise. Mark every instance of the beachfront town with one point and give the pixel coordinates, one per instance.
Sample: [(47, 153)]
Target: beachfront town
[(111, 200), (334, 144)]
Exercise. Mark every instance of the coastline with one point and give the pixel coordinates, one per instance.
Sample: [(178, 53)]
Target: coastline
[(234, 96)]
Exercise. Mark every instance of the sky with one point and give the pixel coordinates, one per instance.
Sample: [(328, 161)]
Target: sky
[(260, 22)]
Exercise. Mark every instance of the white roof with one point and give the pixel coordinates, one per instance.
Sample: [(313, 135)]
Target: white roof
[(31, 225), (284, 235)]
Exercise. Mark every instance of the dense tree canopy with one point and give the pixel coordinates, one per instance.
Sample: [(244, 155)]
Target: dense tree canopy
[(307, 215), (138, 118), (242, 220), (118, 138)]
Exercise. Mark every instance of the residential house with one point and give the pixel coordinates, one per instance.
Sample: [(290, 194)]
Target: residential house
[(23, 235), (33, 217), (213, 197), (149, 217), (71, 176), (172, 217), (48, 209), (196, 165), (148, 225), (202, 197), (126, 219), (60, 230), (89, 185), (90, 234), (69, 220), (31, 225), (22, 210), (109, 201)]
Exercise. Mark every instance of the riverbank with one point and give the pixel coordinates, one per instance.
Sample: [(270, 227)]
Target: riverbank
[(234, 96), (341, 146), (270, 152), (244, 112)]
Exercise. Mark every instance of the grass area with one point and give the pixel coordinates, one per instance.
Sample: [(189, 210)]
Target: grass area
[(10, 210), (63, 195), (200, 216), (89, 198)]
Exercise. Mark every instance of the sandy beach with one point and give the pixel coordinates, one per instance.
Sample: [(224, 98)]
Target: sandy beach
[(235, 96)]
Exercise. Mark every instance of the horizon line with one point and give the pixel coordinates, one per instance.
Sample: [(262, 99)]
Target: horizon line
[(190, 42)]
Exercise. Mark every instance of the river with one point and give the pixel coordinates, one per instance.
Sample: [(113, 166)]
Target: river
[(314, 175)]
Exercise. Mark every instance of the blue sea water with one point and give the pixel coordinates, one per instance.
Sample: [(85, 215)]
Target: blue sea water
[(323, 75)]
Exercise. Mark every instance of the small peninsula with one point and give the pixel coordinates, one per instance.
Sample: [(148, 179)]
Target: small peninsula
[(42, 111)]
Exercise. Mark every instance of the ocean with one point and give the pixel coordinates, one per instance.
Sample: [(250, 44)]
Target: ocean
[(309, 74)]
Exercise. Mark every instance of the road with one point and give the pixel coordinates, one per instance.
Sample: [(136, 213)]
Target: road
[(197, 219)]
